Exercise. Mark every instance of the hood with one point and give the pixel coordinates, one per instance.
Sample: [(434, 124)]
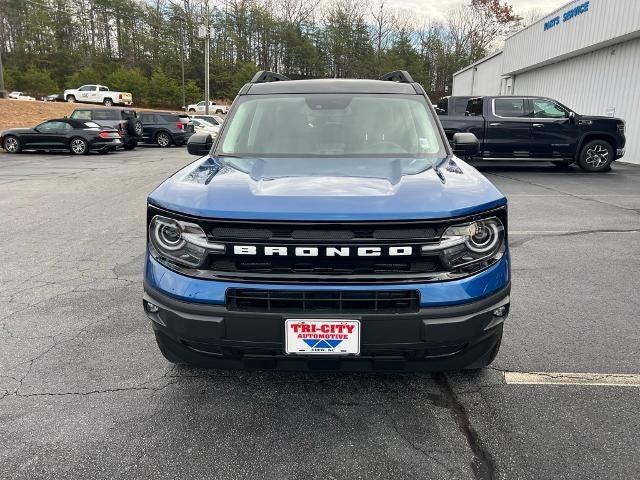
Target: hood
[(17, 130), (381, 191), (600, 117)]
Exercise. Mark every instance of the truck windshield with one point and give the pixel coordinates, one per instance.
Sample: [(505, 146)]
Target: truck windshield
[(332, 125)]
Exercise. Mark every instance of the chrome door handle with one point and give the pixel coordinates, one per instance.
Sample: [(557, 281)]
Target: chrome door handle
[(497, 124), (538, 125)]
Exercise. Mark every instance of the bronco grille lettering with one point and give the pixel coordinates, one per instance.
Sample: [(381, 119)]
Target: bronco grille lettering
[(325, 251)]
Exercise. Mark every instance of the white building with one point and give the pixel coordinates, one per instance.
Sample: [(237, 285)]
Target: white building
[(586, 54)]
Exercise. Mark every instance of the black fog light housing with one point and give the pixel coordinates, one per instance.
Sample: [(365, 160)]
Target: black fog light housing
[(151, 307)]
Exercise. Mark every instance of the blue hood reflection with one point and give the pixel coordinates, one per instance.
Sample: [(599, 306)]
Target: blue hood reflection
[(327, 189)]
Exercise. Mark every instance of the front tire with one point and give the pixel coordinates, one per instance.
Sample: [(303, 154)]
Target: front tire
[(163, 139), (11, 144), (130, 146), (596, 156), (78, 146), (192, 110), (71, 99), (107, 102)]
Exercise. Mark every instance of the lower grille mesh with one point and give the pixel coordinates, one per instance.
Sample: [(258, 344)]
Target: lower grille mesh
[(321, 301)]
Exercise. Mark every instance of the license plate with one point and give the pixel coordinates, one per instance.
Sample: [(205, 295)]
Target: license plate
[(322, 337)]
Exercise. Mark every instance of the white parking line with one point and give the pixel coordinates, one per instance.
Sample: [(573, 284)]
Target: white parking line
[(559, 378)]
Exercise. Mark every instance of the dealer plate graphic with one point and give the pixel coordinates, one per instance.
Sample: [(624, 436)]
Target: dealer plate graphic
[(322, 337)]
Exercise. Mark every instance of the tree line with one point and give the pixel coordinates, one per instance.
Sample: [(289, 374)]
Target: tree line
[(147, 47)]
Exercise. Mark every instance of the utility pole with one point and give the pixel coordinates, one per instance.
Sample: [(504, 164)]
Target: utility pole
[(206, 60), (184, 102)]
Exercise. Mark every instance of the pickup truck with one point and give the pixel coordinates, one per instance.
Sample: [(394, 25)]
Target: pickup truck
[(20, 96), (97, 94), (535, 128), (201, 107)]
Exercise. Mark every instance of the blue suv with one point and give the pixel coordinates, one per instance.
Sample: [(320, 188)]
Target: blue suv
[(328, 226)]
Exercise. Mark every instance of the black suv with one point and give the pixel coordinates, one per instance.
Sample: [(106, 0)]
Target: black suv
[(124, 120), (163, 129)]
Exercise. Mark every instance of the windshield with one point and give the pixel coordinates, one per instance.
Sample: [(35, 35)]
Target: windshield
[(332, 125)]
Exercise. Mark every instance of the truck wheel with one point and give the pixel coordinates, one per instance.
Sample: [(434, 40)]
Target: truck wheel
[(107, 102), (11, 144), (596, 156), (130, 145), (71, 99), (134, 127), (192, 110), (163, 139), (218, 111), (78, 146)]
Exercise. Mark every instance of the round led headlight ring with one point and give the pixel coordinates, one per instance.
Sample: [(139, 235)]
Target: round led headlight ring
[(485, 238), (168, 235)]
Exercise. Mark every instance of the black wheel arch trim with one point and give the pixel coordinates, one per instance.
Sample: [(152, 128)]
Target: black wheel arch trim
[(597, 135)]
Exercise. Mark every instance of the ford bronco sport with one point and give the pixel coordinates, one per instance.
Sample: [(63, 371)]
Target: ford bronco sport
[(328, 226)]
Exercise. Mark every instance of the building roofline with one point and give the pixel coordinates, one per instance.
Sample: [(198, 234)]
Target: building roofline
[(482, 60)]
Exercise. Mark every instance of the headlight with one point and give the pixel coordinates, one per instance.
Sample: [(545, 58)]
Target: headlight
[(180, 242), (470, 244)]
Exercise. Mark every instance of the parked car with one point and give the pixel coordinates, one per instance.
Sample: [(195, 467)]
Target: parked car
[(55, 97), (20, 96), (187, 122), (97, 94), (200, 107), (163, 129), (76, 136), (213, 119), (328, 226), (202, 126), (124, 120), (538, 128)]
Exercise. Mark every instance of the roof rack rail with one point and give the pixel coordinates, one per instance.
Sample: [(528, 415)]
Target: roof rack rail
[(264, 76), (400, 76)]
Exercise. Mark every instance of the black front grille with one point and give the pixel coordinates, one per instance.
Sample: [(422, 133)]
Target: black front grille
[(349, 268), (322, 301)]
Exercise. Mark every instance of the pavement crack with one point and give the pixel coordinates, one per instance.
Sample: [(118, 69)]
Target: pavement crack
[(528, 238), (569, 194), (483, 465), (91, 392)]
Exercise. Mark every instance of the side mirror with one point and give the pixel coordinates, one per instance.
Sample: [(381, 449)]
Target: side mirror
[(200, 144), (572, 117), (465, 144)]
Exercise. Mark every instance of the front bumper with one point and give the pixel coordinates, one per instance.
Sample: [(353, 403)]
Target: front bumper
[(442, 335)]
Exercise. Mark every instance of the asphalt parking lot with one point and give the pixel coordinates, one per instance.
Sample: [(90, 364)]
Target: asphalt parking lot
[(85, 393)]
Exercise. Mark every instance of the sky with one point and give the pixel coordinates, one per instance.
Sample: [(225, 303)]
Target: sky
[(437, 9)]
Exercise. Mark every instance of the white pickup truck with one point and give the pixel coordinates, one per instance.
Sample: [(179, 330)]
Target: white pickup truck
[(97, 94), (201, 107)]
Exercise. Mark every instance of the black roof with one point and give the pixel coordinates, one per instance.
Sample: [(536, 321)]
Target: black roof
[(75, 123), (329, 86)]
